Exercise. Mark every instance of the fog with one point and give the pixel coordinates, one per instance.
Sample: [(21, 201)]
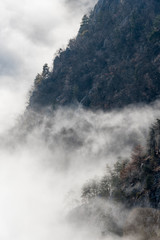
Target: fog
[(47, 158), (31, 32)]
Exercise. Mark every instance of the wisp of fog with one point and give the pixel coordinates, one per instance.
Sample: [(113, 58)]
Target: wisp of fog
[(46, 159)]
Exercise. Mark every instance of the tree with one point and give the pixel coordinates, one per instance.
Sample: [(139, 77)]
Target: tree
[(137, 155), (38, 80), (45, 71), (84, 24), (90, 190), (85, 21), (154, 139)]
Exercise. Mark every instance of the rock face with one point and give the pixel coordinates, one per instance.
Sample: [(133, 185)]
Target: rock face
[(113, 61), (143, 224)]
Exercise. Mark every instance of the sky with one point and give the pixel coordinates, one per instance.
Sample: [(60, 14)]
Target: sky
[(31, 32), (45, 160)]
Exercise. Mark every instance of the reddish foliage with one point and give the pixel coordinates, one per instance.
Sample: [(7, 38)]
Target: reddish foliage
[(137, 159)]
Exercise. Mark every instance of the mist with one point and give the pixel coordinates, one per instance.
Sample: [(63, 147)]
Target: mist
[(31, 32), (47, 158)]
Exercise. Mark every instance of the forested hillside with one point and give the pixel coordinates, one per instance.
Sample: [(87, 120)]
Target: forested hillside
[(113, 61), (133, 182), (125, 200)]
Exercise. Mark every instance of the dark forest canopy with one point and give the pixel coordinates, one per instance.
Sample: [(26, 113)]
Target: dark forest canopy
[(113, 61)]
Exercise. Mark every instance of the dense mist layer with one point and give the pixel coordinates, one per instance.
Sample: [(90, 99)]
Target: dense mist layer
[(46, 159)]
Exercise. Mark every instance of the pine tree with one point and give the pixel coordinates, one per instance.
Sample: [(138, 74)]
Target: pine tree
[(45, 71), (84, 24)]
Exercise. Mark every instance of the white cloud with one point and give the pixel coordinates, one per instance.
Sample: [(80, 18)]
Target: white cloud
[(37, 173), (31, 31), (43, 168)]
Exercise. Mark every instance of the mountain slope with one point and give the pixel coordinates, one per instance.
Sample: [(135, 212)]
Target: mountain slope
[(134, 183), (114, 60)]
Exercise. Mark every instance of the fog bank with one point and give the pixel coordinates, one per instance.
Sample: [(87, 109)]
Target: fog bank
[(46, 159)]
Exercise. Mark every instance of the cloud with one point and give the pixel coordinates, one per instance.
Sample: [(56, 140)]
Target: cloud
[(10, 63), (81, 4), (46, 159), (30, 34)]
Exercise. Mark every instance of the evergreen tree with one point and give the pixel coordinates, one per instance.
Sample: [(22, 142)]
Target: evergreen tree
[(45, 71), (84, 24)]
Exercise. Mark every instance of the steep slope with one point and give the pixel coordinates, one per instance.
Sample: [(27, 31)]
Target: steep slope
[(114, 60)]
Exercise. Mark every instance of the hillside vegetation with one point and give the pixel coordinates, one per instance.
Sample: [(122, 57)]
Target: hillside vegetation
[(126, 200), (134, 182), (113, 61)]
